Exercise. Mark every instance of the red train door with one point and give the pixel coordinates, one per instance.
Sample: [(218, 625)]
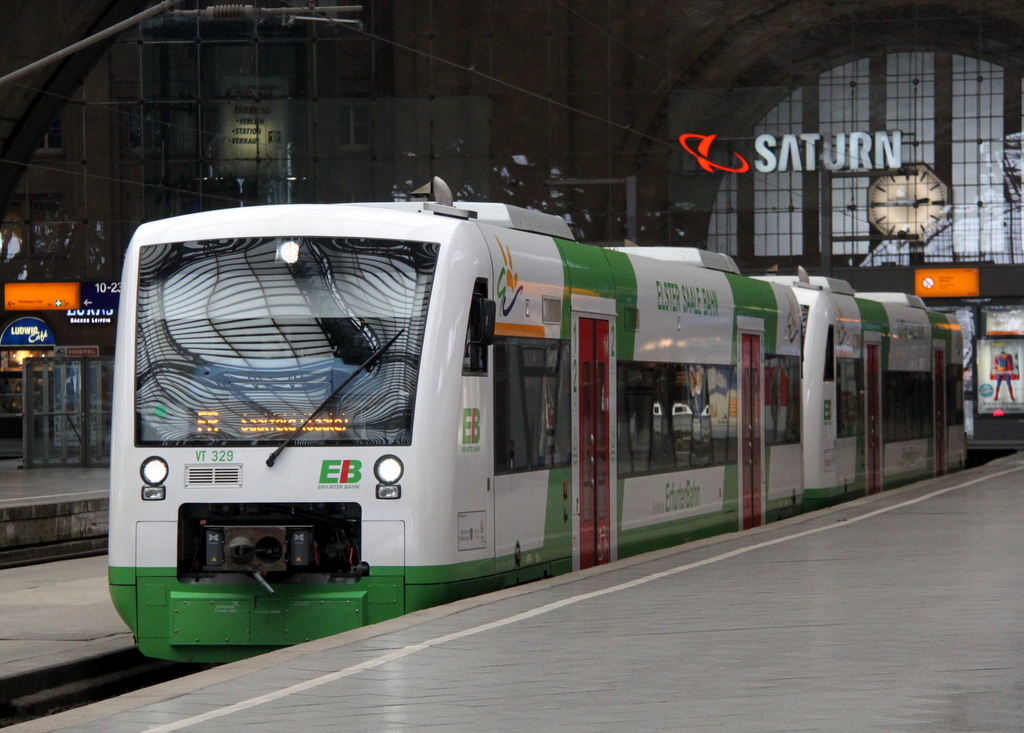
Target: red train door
[(873, 444), (594, 443), (750, 476), (940, 413)]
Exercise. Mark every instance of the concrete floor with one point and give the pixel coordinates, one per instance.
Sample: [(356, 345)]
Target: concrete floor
[(57, 613), (899, 612), (28, 487)]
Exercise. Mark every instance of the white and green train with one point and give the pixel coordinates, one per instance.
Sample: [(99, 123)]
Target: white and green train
[(328, 416), (883, 381)]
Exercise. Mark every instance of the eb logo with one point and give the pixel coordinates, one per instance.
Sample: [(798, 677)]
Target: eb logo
[(470, 426), (341, 472)]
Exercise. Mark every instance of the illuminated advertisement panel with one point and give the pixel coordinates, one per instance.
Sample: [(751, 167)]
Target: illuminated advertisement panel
[(999, 376), (999, 355), (950, 282), (41, 296)]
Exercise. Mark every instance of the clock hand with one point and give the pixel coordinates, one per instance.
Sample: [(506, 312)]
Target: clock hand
[(909, 202)]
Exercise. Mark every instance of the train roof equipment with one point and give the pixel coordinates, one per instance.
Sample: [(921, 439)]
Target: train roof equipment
[(501, 215), (484, 212), (816, 282), (911, 301), (686, 255)]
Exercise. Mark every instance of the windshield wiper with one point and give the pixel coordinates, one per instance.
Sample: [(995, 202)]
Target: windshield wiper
[(373, 357)]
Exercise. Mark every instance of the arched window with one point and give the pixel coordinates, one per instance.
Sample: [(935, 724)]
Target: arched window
[(949, 110)]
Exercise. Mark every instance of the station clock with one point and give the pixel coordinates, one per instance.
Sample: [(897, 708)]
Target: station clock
[(910, 204)]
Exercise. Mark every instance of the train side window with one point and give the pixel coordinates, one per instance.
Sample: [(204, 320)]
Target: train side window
[(532, 405), (563, 408), (804, 310), (954, 394), (849, 396), (501, 407), (907, 401), (479, 331), (682, 416), (781, 399), (925, 404), (636, 408), (829, 374), (721, 388), (663, 452), (546, 379), (519, 438), (675, 416)]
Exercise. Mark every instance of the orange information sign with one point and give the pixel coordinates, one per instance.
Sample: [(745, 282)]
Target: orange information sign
[(947, 282), (41, 296)]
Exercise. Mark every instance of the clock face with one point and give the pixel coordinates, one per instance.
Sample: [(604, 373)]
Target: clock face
[(911, 206)]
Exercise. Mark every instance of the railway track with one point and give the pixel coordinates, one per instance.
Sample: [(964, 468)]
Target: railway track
[(51, 690), (64, 685), (16, 557)]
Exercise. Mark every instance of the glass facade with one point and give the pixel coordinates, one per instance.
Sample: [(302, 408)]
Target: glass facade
[(865, 114), (960, 139), (778, 207), (535, 105)]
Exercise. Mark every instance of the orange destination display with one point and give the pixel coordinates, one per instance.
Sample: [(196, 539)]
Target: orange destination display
[(949, 282), (41, 296)]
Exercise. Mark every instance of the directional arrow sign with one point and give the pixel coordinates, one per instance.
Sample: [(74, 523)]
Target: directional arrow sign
[(101, 296), (41, 296)]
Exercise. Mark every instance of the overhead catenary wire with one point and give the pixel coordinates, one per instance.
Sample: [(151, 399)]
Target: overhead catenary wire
[(299, 12), (89, 41)]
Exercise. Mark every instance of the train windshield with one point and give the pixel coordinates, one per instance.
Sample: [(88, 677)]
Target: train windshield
[(239, 341)]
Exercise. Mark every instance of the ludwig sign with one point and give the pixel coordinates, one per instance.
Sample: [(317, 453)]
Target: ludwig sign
[(27, 332)]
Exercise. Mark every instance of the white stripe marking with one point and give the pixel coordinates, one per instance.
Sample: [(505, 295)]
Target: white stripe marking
[(85, 496), (412, 649)]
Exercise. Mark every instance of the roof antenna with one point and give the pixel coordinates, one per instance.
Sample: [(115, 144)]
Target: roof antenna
[(421, 194), (442, 194), (443, 203), (436, 189), (801, 274)]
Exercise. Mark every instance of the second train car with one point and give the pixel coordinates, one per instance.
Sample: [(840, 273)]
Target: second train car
[(327, 416), (883, 390)]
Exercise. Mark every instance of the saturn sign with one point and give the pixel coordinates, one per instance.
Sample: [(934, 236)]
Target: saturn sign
[(804, 151)]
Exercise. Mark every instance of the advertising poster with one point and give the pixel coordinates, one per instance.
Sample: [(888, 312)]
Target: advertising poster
[(999, 386), (253, 131)]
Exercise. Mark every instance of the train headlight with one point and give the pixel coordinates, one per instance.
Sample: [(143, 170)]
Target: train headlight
[(154, 470), (154, 493), (388, 469), (389, 491)]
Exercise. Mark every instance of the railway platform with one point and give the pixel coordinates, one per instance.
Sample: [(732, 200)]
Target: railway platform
[(56, 614), (51, 513), (903, 611)]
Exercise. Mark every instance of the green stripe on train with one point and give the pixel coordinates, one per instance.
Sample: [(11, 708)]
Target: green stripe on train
[(756, 299), (603, 273)]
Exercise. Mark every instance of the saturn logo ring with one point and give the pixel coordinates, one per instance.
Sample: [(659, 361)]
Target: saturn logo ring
[(701, 154)]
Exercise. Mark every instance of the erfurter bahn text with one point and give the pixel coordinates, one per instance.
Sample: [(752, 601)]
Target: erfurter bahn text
[(327, 416)]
